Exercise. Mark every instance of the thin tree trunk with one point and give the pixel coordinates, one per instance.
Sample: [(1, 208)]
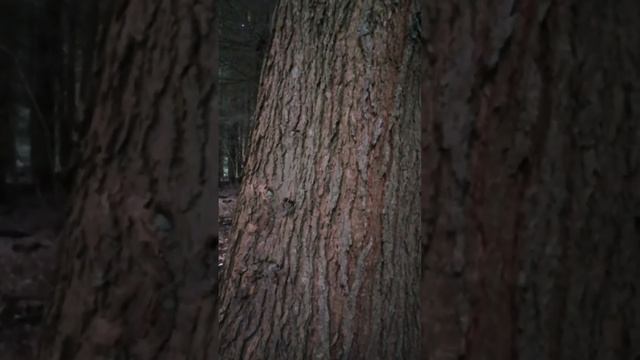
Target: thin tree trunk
[(47, 64), (7, 147), (221, 166), (531, 180), (239, 162), (137, 262), (68, 120), (324, 257), (40, 132), (96, 24), (233, 154)]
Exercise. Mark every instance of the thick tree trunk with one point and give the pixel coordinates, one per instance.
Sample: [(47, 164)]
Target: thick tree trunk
[(137, 262), (532, 180), (324, 260)]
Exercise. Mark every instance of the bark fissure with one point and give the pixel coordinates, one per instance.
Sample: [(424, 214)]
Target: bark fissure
[(328, 145), (524, 214), (137, 277)]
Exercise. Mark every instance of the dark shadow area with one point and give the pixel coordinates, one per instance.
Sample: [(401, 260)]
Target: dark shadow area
[(28, 229), (37, 135)]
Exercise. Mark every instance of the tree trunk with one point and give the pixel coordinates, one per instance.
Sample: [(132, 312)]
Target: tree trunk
[(531, 180), (47, 61), (94, 35), (221, 166), (68, 119), (137, 262), (239, 162), (233, 154), (41, 151), (324, 260), (7, 146)]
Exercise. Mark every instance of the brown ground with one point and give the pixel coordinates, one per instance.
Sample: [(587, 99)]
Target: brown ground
[(27, 259), (27, 237)]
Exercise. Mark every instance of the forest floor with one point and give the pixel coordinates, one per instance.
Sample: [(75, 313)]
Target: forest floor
[(28, 234), (28, 230)]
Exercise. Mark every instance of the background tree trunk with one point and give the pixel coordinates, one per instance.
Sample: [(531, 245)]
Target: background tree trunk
[(46, 66), (324, 260), (67, 120), (137, 262), (233, 155), (92, 43), (40, 131), (531, 179), (7, 146)]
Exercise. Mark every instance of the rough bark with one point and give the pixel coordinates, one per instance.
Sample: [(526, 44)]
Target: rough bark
[(137, 262), (531, 180), (324, 257)]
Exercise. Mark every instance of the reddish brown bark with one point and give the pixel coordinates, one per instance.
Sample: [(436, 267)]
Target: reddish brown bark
[(531, 182), (324, 259), (137, 266)]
